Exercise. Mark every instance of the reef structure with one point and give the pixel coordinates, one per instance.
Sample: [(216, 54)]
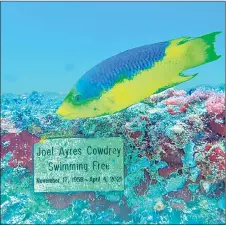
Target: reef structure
[(174, 160)]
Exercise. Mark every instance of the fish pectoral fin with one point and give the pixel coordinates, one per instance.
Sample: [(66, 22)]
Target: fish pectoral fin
[(182, 77)]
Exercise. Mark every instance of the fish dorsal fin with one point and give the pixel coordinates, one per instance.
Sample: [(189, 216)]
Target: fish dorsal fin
[(179, 41)]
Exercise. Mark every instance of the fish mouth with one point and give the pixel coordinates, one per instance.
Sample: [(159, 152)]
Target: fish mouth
[(61, 111), (64, 111), (68, 112)]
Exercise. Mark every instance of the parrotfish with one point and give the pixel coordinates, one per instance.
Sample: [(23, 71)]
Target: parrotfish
[(133, 75)]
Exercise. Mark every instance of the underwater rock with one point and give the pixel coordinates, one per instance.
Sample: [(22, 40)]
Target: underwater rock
[(142, 187), (165, 172), (61, 201), (178, 206), (183, 194), (218, 156), (159, 206), (217, 127), (213, 162), (122, 210), (20, 145), (8, 126), (174, 158)]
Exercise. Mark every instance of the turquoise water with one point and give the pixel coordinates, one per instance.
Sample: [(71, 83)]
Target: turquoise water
[(174, 147), (39, 46)]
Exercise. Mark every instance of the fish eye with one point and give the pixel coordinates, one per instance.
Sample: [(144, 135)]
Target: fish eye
[(77, 98)]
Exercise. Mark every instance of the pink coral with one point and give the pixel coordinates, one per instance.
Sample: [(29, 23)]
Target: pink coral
[(176, 101), (162, 95), (215, 104), (180, 93), (217, 156), (199, 95)]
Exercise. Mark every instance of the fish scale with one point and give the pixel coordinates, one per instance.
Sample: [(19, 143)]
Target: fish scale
[(122, 66)]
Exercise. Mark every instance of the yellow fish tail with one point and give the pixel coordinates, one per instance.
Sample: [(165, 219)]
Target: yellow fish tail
[(194, 52)]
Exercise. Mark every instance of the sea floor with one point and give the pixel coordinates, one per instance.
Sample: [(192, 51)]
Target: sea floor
[(174, 159)]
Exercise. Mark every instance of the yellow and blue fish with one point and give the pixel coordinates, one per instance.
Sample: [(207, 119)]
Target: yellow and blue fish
[(131, 76)]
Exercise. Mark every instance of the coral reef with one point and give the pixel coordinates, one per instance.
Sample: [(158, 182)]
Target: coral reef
[(174, 160)]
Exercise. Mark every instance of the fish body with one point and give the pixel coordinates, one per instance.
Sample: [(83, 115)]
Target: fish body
[(131, 76)]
